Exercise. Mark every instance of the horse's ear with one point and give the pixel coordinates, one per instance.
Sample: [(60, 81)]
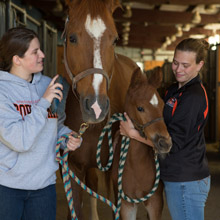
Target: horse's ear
[(70, 2), (113, 4), (137, 77), (156, 77)]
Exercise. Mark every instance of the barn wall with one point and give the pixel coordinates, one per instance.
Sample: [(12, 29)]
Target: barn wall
[(218, 95), (2, 18), (148, 65), (60, 63)]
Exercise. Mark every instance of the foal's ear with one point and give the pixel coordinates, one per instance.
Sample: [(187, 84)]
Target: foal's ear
[(156, 77), (113, 4), (137, 77)]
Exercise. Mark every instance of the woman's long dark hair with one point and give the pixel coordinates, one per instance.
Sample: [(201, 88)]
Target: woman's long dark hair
[(15, 41)]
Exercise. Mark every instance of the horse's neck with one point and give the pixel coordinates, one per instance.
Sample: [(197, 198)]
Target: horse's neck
[(140, 155), (122, 72)]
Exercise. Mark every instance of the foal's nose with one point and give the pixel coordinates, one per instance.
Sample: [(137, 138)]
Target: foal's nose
[(163, 144)]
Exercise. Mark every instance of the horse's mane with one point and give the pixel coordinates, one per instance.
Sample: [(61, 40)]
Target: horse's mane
[(94, 7)]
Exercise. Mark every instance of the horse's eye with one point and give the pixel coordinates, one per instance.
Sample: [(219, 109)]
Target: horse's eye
[(140, 109), (73, 38), (115, 41)]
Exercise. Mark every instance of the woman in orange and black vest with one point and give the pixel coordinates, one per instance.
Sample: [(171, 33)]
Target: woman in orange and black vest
[(184, 171)]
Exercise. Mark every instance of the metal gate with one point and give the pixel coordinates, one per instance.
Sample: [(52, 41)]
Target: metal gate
[(2, 18)]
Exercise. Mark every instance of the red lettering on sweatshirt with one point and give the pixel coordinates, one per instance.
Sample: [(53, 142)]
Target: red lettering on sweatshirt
[(25, 109)]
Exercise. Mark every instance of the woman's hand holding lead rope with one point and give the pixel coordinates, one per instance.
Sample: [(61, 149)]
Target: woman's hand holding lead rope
[(74, 142)]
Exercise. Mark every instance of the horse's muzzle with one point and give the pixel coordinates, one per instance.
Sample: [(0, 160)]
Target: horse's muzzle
[(94, 109)]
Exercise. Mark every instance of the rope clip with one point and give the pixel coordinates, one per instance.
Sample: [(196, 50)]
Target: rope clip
[(82, 129)]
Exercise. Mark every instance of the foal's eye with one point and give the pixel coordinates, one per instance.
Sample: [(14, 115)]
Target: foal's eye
[(115, 41), (73, 38), (140, 109)]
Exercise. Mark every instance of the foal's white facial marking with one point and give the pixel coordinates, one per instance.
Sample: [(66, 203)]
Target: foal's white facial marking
[(154, 100), (95, 29)]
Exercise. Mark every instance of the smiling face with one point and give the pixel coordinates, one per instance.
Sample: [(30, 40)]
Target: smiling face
[(32, 62), (184, 66)]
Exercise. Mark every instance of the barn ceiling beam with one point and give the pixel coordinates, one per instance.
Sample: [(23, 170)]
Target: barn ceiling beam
[(160, 37), (175, 2), (164, 17), (152, 31), (152, 38), (153, 24)]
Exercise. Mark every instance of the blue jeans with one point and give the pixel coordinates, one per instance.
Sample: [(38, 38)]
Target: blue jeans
[(16, 204), (186, 200)]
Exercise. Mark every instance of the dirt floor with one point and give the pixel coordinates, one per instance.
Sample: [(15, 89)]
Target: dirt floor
[(212, 209)]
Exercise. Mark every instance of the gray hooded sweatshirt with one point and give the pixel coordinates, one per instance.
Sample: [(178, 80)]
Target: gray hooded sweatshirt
[(28, 133)]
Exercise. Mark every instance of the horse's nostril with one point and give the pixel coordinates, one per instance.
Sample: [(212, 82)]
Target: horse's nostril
[(161, 143), (107, 104), (87, 104)]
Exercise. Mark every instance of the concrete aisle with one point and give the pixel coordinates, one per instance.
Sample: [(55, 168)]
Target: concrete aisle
[(212, 210)]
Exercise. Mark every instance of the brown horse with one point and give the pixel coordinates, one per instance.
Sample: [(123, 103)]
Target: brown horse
[(99, 78), (144, 106)]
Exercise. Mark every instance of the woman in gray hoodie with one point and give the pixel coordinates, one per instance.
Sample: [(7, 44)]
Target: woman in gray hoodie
[(28, 130)]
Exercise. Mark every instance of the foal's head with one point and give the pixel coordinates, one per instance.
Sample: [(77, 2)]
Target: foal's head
[(90, 40), (145, 108)]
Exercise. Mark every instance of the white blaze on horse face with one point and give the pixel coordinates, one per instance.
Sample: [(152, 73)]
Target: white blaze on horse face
[(95, 29), (154, 100)]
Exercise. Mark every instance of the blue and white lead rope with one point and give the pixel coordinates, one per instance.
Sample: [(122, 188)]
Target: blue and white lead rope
[(63, 160), (67, 173), (123, 154)]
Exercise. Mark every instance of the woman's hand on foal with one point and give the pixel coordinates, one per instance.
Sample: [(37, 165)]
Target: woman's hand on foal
[(74, 142), (127, 128), (54, 90)]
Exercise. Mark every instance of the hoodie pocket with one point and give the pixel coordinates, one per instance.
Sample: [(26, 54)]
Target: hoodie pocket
[(8, 161)]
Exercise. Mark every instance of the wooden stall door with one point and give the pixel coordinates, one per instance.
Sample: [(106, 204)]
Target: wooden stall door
[(218, 96)]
